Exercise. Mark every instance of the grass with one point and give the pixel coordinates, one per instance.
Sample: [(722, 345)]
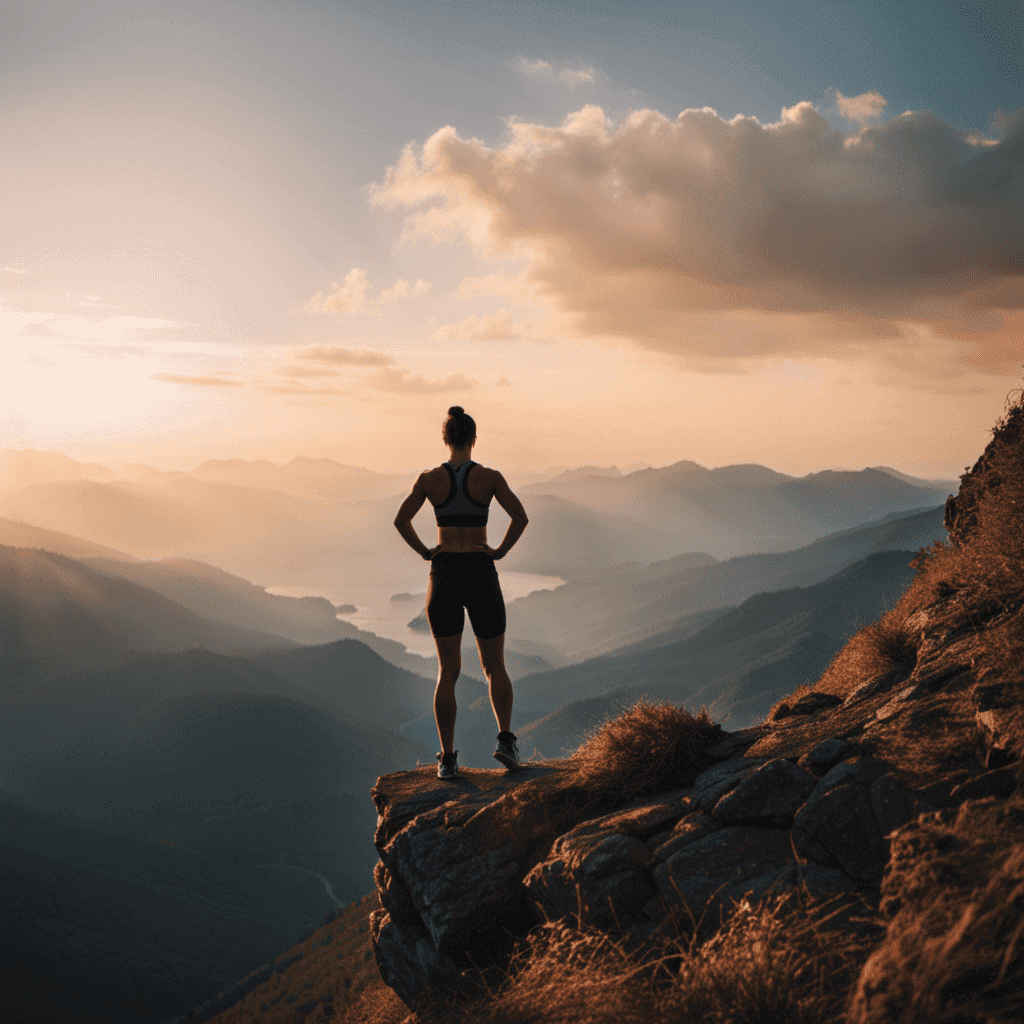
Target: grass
[(774, 962), (953, 950), (652, 747)]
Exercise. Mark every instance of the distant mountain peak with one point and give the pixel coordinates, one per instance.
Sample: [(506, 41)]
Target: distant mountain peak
[(579, 471)]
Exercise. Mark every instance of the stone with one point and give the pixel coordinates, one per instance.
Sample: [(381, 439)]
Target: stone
[(770, 795), (593, 872), (826, 755), (395, 897), (640, 821), (892, 804), (687, 830), (814, 701), (454, 883), (841, 820), (716, 781), (997, 736), (705, 873), (408, 961), (733, 744), (856, 771), (826, 883)]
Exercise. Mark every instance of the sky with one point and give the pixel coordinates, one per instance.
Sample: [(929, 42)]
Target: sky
[(629, 233)]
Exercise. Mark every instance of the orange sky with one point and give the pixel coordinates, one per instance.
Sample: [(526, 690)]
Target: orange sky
[(221, 246)]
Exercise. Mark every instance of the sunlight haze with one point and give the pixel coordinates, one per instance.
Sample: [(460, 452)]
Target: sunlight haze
[(614, 235)]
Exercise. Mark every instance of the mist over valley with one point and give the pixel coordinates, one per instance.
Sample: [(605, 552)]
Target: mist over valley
[(160, 697)]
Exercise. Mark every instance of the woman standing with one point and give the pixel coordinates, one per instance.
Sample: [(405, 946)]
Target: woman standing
[(463, 576)]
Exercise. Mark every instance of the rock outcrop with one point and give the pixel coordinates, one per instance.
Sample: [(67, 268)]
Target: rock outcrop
[(469, 866), (894, 788)]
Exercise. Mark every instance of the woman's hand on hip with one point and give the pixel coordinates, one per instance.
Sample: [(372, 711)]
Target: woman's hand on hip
[(493, 552)]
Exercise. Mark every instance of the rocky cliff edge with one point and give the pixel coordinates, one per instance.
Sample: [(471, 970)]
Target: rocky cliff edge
[(890, 787)]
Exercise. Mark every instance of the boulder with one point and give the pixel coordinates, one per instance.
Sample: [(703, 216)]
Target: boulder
[(770, 795), (711, 871), (408, 960), (592, 875), (734, 744), (687, 830), (395, 897), (892, 804), (826, 755), (456, 881), (809, 704), (713, 783), (841, 821)]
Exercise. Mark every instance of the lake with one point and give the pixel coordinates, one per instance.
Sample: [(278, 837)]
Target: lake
[(370, 588)]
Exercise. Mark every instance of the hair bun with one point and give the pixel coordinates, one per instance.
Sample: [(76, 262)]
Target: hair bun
[(456, 410)]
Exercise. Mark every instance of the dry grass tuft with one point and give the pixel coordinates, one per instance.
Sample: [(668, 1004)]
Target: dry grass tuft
[(648, 749), (777, 961), (954, 950)]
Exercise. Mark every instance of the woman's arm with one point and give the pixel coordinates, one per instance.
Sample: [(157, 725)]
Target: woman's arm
[(409, 508), (514, 507)]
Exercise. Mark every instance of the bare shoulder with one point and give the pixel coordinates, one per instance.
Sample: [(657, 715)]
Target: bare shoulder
[(491, 477)]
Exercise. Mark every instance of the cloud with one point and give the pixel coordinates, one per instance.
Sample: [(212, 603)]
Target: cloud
[(863, 108), (323, 362), (540, 68), (502, 382), (353, 295), (401, 292), (343, 355), (494, 327), (545, 69), (725, 239), (197, 381), (574, 78), (405, 382), (12, 270), (349, 297)]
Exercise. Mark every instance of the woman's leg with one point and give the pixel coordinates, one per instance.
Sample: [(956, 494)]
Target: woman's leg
[(492, 659), (449, 665)]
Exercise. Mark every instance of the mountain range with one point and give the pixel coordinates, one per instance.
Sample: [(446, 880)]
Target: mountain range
[(171, 716)]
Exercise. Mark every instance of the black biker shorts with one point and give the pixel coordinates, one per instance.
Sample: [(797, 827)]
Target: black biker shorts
[(465, 580)]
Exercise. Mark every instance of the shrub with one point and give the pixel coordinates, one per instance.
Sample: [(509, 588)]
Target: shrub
[(649, 748)]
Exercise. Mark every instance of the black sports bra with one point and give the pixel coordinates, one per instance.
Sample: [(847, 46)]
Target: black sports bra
[(459, 509)]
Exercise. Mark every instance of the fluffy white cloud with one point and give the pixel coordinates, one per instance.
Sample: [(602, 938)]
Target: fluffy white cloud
[(348, 297), (353, 295), (671, 232), (863, 108)]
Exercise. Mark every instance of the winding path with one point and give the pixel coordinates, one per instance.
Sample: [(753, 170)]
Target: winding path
[(309, 871)]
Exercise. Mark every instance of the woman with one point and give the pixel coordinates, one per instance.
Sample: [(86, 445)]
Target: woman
[(462, 575)]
